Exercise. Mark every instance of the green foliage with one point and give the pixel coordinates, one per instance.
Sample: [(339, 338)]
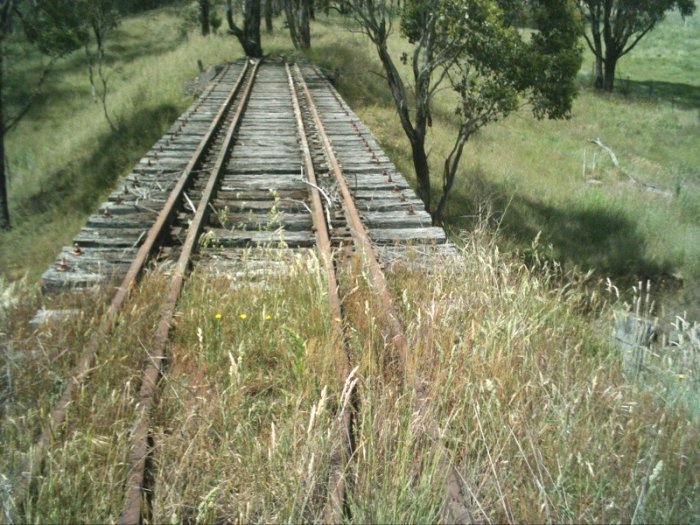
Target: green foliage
[(190, 15), (495, 62), (56, 28), (640, 14), (136, 6), (554, 58), (215, 20)]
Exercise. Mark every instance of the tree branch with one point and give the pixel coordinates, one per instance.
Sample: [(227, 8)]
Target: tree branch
[(636, 41), (14, 120), (590, 46)]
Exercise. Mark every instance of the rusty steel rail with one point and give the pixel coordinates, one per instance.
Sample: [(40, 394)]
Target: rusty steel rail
[(454, 510), (145, 252), (363, 244), (132, 508), (341, 455)]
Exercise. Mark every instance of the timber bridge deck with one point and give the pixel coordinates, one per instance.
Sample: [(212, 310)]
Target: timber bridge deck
[(262, 198)]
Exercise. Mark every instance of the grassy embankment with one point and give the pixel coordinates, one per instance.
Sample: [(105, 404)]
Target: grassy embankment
[(534, 407)]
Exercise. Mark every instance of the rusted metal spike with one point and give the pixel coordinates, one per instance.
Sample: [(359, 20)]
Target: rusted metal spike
[(106, 213), (402, 198), (62, 265), (76, 249), (410, 210)]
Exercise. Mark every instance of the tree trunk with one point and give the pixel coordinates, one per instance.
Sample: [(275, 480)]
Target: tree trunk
[(290, 13), (268, 16), (598, 45), (420, 165), (415, 135), (304, 28), (4, 208), (251, 28), (204, 16), (297, 12), (598, 82), (609, 72), (449, 173), (249, 35)]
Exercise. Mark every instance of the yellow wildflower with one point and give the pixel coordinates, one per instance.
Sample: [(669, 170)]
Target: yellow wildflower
[(217, 316), (243, 316), (268, 317)]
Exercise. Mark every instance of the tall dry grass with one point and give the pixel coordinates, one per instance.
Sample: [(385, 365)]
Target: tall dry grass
[(533, 407)]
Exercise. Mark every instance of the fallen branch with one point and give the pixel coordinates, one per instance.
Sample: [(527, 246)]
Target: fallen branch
[(610, 152), (649, 187)]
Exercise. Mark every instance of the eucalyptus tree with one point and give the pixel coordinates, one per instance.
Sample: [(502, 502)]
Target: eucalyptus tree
[(615, 27), (249, 33), (472, 47)]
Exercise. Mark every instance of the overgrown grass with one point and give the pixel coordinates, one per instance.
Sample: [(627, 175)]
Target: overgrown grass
[(85, 469), (533, 407), (243, 424)]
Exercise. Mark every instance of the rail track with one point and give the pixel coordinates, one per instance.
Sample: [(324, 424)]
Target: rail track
[(269, 155)]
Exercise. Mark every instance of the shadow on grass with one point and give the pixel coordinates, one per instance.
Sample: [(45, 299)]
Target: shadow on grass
[(686, 96), (78, 185), (357, 76), (682, 95), (595, 237), (123, 49)]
